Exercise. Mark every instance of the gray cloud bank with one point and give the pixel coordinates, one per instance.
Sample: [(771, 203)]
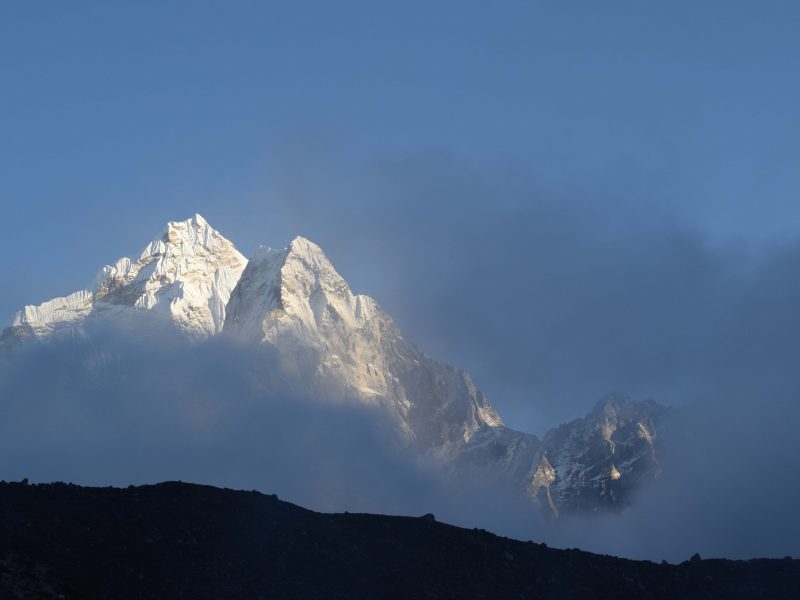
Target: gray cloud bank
[(109, 408), (104, 408)]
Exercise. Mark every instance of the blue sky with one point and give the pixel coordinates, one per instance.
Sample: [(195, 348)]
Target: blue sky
[(417, 121)]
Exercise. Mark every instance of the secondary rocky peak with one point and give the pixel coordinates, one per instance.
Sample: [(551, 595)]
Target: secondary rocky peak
[(613, 404), (307, 271), (598, 460), (294, 288), (303, 247)]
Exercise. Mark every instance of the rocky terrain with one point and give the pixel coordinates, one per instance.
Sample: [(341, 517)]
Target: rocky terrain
[(176, 540)]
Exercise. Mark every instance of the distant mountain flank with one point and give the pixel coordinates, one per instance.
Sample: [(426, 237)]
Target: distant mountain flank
[(344, 346)]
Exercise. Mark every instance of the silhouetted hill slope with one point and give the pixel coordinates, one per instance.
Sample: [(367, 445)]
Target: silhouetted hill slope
[(176, 540)]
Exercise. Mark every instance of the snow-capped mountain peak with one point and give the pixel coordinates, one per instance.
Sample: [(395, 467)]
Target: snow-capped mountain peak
[(186, 275)]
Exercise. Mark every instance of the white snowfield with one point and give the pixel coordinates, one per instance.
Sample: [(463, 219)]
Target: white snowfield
[(346, 347), (56, 312)]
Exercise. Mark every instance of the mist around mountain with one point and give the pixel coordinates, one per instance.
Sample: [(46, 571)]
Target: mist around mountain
[(312, 391)]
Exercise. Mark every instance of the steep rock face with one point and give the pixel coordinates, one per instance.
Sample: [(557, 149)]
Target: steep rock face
[(497, 454), (595, 463), (186, 275), (294, 300)]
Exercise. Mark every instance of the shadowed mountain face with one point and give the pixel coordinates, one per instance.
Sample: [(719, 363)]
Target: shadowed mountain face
[(588, 465), (192, 284), (580, 465), (180, 540)]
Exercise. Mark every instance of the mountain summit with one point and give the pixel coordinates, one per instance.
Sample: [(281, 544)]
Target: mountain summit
[(294, 302), (185, 275)]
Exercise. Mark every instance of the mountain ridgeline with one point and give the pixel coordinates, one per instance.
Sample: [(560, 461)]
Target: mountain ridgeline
[(345, 348), (179, 540)]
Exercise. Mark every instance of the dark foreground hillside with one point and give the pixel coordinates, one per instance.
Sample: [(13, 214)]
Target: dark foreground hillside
[(178, 540)]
